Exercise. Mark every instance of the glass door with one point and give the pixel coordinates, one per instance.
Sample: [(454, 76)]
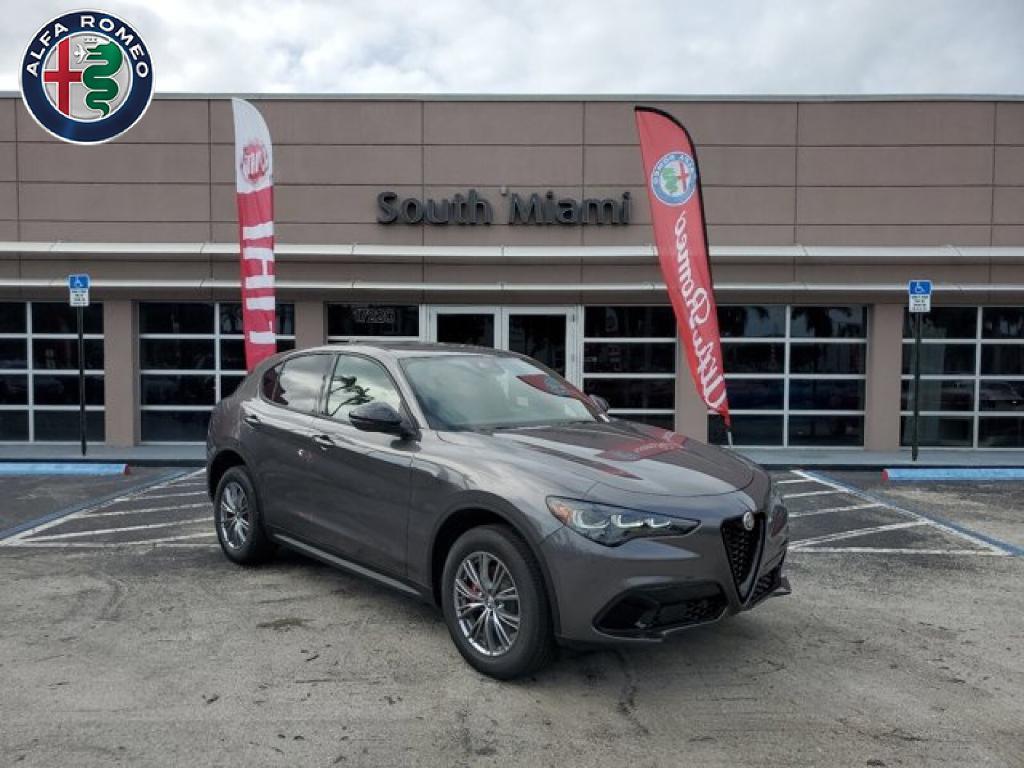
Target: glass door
[(547, 334), (478, 326), (544, 333)]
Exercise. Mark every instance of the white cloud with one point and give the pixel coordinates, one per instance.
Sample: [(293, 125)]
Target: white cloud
[(538, 46)]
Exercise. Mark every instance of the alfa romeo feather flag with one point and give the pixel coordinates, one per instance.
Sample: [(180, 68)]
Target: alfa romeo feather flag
[(254, 185), (677, 213)]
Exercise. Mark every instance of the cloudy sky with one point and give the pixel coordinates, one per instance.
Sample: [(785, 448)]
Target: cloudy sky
[(538, 46)]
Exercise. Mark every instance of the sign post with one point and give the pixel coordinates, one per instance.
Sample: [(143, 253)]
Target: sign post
[(919, 293), (78, 289)]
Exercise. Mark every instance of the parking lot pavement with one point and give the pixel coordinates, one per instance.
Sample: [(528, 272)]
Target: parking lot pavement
[(900, 646)]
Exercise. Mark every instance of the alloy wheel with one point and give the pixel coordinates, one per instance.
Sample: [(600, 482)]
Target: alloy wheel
[(235, 515), (487, 604)]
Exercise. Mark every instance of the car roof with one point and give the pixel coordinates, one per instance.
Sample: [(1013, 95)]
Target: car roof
[(402, 349)]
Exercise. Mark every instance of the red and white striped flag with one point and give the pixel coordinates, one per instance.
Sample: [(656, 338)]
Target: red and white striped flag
[(254, 184)]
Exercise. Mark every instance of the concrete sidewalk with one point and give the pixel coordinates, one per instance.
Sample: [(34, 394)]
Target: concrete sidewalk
[(773, 458)]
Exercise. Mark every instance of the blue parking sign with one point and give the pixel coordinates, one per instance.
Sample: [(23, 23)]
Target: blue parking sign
[(78, 282), (919, 287)]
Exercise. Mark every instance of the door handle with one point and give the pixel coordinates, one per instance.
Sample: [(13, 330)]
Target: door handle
[(324, 441), (252, 419)]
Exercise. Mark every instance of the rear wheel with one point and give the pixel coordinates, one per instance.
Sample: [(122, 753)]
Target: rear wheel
[(236, 513), (495, 603)]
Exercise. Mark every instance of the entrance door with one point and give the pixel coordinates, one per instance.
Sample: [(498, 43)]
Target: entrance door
[(547, 334)]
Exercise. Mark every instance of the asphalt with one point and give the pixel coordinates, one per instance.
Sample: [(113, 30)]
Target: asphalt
[(130, 645)]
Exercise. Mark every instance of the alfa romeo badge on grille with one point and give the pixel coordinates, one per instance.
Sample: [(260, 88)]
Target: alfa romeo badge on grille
[(748, 521)]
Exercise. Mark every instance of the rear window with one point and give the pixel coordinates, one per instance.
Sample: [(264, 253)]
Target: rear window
[(296, 383)]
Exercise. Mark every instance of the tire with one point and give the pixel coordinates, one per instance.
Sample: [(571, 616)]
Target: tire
[(532, 646), (244, 544)]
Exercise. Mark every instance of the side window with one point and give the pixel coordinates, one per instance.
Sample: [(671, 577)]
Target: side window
[(299, 382), (357, 381), (269, 383)]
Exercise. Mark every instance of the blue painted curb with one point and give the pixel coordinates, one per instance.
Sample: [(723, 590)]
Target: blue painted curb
[(954, 473), (60, 468)]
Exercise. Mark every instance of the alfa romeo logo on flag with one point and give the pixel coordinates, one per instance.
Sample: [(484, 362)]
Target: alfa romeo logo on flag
[(86, 77), (674, 178)]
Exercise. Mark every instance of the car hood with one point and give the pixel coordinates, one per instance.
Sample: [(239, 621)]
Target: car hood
[(620, 454)]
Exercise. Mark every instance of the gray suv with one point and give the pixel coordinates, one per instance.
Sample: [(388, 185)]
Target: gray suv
[(487, 484)]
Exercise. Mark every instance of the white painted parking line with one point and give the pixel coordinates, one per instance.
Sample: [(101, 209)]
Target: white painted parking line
[(141, 510), (804, 543), (806, 494), (122, 529), (898, 551), (193, 540), (956, 532), (178, 495), (794, 481), (853, 508)]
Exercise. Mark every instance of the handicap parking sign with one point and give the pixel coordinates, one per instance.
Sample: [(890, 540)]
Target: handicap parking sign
[(920, 293), (78, 290)]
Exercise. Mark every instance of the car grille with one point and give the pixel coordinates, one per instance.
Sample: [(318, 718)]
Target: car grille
[(655, 609), (767, 584), (742, 548)]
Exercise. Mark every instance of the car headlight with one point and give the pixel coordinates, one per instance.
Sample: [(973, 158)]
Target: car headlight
[(612, 526), (778, 516)]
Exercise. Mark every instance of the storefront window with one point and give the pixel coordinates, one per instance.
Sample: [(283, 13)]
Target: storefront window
[(39, 372), (629, 356), (972, 377), (192, 354), (795, 375), (369, 321)]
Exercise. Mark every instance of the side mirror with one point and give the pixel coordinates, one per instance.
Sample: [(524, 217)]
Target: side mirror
[(600, 402), (379, 417)]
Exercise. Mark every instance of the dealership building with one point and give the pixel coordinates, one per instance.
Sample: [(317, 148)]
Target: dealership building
[(522, 223)]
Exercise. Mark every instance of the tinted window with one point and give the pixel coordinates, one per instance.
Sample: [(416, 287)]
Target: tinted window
[(1002, 323), (641, 322), (939, 431), (165, 317), (612, 357), (1001, 432), (826, 430), (747, 430), (12, 317), (830, 322), (357, 381), (755, 394), (13, 353), (752, 322), (373, 320), (826, 395), (57, 317), (301, 380), (941, 358), (754, 358), (944, 323), (1002, 359), (826, 358), (269, 383), (940, 395)]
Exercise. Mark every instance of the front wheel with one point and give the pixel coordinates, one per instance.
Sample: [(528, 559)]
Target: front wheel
[(495, 603), (236, 514)]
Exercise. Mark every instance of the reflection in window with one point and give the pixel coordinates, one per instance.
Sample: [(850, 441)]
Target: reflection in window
[(629, 359), (300, 383), (191, 355), (972, 390), (39, 372), (357, 381), (804, 388)]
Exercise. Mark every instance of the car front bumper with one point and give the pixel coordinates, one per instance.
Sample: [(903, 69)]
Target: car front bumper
[(647, 589)]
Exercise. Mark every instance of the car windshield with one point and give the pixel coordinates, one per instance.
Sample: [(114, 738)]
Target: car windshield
[(467, 392)]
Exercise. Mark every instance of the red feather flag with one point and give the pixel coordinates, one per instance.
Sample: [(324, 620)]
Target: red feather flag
[(680, 233), (254, 185)]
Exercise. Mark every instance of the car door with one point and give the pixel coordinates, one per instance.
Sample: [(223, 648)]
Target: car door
[(277, 435), (361, 478)]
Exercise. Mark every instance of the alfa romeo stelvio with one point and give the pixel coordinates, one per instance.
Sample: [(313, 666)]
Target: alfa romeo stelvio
[(487, 484)]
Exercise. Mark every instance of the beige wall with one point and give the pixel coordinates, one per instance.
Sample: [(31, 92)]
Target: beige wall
[(775, 172)]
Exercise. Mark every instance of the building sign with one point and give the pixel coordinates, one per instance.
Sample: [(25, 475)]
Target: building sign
[(474, 209), (920, 295)]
